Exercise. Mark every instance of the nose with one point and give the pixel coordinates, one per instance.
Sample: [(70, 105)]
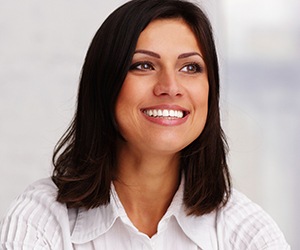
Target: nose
[(167, 85)]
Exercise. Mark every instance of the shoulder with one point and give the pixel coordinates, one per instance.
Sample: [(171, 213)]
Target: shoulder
[(39, 197), (35, 217), (43, 189), (245, 225)]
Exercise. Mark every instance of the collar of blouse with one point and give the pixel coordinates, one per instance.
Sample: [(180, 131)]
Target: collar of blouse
[(92, 223)]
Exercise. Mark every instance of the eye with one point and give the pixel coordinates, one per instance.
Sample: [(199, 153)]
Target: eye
[(142, 66), (192, 68)]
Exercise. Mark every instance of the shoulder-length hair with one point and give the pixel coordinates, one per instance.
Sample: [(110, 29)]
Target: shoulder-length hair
[(85, 157)]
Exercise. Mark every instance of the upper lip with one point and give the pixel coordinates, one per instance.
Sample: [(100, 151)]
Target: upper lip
[(166, 106)]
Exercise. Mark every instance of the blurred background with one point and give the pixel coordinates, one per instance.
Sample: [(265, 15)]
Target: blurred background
[(42, 48)]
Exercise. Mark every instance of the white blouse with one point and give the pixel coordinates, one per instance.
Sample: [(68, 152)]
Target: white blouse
[(37, 221)]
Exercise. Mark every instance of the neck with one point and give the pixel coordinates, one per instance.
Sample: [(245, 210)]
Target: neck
[(146, 185)]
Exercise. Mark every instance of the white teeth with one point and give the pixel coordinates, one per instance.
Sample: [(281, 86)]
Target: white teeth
[(164, 113)]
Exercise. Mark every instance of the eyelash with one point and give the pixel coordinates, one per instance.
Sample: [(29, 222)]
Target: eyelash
[(197, 67), (149, 66), (136, 65)]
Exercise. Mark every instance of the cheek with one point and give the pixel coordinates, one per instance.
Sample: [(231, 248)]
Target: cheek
[(127, 105), (124, 99), (200, 99), (199, 95), (135, 90)]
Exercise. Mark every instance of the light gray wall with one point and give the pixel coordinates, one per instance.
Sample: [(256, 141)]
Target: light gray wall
[(262, 104), (42, 47)]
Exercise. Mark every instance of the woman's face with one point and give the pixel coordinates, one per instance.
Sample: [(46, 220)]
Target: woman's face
[(162, 105)]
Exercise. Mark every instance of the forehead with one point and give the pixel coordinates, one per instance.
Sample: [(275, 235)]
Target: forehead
[(168, 33)]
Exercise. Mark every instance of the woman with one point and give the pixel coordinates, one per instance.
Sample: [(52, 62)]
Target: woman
[(143, 164)]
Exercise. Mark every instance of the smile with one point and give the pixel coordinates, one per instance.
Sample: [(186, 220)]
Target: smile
[(164, 113)]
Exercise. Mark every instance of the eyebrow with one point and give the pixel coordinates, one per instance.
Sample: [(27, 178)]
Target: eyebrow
[(153, 54), (185, 55), (147, 52)]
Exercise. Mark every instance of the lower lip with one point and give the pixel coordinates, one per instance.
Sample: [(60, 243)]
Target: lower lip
[(165, 121)]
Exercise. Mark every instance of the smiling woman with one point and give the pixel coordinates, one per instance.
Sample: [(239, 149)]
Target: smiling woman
[(165, 79), (143, 164)]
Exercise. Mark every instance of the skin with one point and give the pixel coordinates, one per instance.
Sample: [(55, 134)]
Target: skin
[(167, 72)]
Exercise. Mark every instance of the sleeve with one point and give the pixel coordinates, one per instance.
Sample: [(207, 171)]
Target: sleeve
[(34, 220), (19, 234), (263, 233), (245, 225)]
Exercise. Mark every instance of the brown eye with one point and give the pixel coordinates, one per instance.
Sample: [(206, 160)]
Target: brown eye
[(192, 68), (142, 66)]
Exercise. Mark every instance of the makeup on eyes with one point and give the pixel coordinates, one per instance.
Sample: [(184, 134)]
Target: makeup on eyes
[(142, 65), (192, 67), (188, 67), (146, 60)]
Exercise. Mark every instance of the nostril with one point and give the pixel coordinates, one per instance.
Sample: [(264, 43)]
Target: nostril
[(167, 90)]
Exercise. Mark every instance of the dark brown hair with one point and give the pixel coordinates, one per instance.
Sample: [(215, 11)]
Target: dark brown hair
[(85, 157)]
